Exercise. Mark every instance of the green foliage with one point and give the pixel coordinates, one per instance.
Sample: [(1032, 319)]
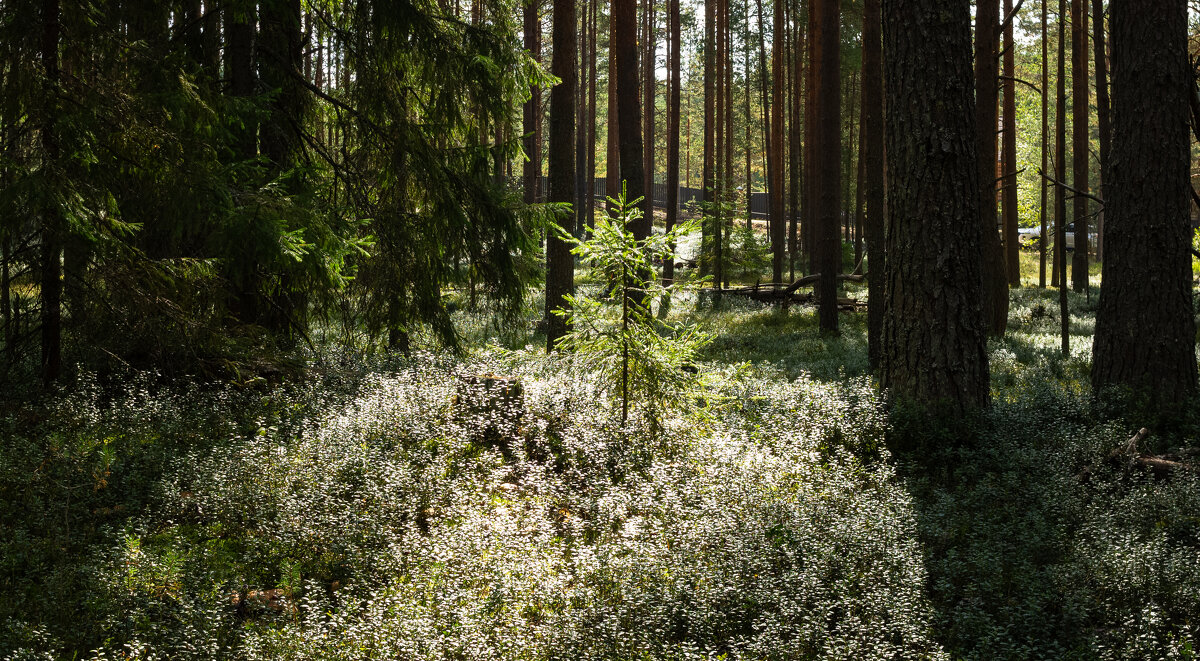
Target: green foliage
[(647, 361)]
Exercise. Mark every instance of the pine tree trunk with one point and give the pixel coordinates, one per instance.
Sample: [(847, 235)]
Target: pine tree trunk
[(987, 91), (674, 91), (795, 148), (873, 141), (776, 196), (1080, 140), (629, 114), (648, 87), (826, 150), (1145, 329), (934, 349), (1060, 198), (591, 121), (560, 264), (531, 113), (1102, 114), (1044, 239), (612, 179), (708, 159), (1008, 183)]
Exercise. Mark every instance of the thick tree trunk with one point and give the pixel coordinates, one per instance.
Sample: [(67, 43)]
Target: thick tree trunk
[(560, 264), (1145, 329), (987, 91), (1008, 184), (629, 114), (239, 51), (1080, 140), (934, 335), (1102, 114), (826, 150), (873, 140), (280, 60), (531, 113)]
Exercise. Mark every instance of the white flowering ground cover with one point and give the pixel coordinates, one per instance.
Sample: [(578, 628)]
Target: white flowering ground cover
[(361, 514)]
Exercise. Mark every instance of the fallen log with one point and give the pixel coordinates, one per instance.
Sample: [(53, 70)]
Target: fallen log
[(1128, 456)]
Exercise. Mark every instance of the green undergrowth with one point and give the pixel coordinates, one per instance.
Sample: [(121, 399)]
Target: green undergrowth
[(372, 511)]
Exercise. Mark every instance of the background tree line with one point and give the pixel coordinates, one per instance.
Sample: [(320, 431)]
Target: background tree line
[(185, 180)]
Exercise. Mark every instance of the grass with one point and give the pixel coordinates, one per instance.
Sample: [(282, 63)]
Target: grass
[(359, 513)]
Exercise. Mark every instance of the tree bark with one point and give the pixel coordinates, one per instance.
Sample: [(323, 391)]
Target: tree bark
[(648, 88), (873, 140), (1044, 239), (560, 264), (1060, 198), (1145, 328), (629, 114), (708, 159), (1080, 140), (795, 148), (826, 150), (673, 71), (1008, 184), (987, 91), (1102, 114), (612, 179), (531, 113), (934, 335), (778, 222)]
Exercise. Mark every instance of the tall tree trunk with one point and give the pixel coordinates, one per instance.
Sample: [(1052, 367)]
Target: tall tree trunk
[(1080, 139), (934, 335), (826, 151), (1102, 116), (749, 187), (729, 135), (1044, 239), (628, 113), (591, 122), (987, 91), (1145, 328), (239, 50), (674, 90), (560, 265), (52, 229), (1060, 165), (708, 160), (612, 179), (648, 87), (778, 221), (1008, 183), (532, 112), (873, 141), (581, 126), (719, 146), (795, 148)]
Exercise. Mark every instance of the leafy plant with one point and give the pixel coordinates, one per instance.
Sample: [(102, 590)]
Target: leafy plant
[(647, 359)]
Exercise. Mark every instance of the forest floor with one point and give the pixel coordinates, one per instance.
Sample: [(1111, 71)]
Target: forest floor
[(369, 511)]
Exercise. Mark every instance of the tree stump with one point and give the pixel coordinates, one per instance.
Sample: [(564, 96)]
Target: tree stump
[(491, 408)]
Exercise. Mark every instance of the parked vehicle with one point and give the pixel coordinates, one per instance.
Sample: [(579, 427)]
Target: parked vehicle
[(1030, 237)]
